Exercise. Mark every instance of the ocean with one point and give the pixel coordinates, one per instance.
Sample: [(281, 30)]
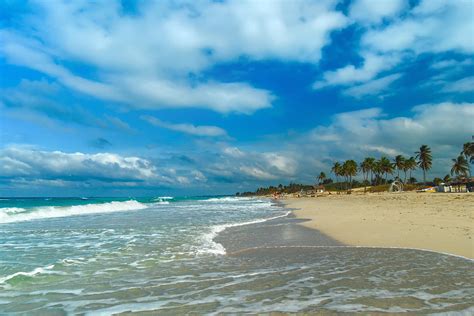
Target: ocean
[(206, 255)]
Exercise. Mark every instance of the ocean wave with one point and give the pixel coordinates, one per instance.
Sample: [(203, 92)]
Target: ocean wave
[(14, 214), (209, 246), (163, 199), (27, 274), (161, 203), (11, 210), (228, 199)]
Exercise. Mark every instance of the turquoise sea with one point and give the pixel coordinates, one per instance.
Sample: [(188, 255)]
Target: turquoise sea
[(205, 255)]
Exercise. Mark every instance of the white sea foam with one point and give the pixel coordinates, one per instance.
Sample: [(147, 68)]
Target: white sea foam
[(29, 273), (163, 199), (11, 215), (212, 247), (11, 210), (161, 203), (228, 199)]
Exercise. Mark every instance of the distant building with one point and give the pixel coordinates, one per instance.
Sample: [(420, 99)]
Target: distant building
[(319, 188), (458, 186)]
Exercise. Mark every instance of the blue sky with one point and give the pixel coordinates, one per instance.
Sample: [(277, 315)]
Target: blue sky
[(214, 97)]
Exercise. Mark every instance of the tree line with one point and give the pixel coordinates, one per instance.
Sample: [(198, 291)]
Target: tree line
[(376, 171)]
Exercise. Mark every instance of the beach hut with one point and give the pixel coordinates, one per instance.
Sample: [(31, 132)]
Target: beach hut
[(444, 187), (463, 185), (319, 189)]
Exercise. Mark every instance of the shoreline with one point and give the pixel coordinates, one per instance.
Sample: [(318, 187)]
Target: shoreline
[(441, 223)]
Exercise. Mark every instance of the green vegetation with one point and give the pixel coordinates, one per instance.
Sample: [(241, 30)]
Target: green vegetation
[(399, 163), (425, 160), (460, 166), (375, 173), (291, 188), (321, 177), (468, 152)]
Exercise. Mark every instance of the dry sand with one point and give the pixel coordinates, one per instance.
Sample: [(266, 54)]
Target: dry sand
[(442, 222)]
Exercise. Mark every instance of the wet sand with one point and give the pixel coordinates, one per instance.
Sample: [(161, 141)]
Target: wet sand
[(297, 269), (282, 232), (437, 222), (291, 268)]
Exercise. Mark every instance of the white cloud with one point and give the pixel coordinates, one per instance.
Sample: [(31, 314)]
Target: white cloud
[(221, 97), (233, 152), (432, 123), (30, 53), (203, 130), (36, 163), (198, 176), (381, 150), (118, 123), (369, 11), (460, 86), (452, 63), (257, 173), (373, 64), (432, 26), (355, 135), (350, 135), (144, 60), (372, 87), (280, 163)]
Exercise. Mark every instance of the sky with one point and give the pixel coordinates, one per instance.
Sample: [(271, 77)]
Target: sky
[(127, 98)]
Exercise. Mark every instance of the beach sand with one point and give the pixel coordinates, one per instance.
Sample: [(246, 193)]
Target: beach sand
[(442, 222)]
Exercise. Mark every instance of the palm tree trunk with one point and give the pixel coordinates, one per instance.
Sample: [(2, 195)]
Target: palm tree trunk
[(468, 165), (366, 175), (424, 176)]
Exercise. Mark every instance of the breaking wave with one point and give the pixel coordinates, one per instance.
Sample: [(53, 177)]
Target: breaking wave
[(32, 273), (15, 214), (163, 198), (228, 199), (212, 247)]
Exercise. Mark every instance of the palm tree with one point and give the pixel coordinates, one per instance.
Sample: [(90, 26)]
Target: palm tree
[(365, 168), (386, 167), (321, 177), (377, 170), (399, 163), (460, 166), (468, 152), (447, 178), (410, 164), (343, 173), (336, 169), (425, 160), (370, 162), (350, 168), (405, 169)]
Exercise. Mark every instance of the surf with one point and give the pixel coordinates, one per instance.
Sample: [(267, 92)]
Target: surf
[(12, 215)]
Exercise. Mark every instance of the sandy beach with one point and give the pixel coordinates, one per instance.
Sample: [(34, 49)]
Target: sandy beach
[(438, 222)]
